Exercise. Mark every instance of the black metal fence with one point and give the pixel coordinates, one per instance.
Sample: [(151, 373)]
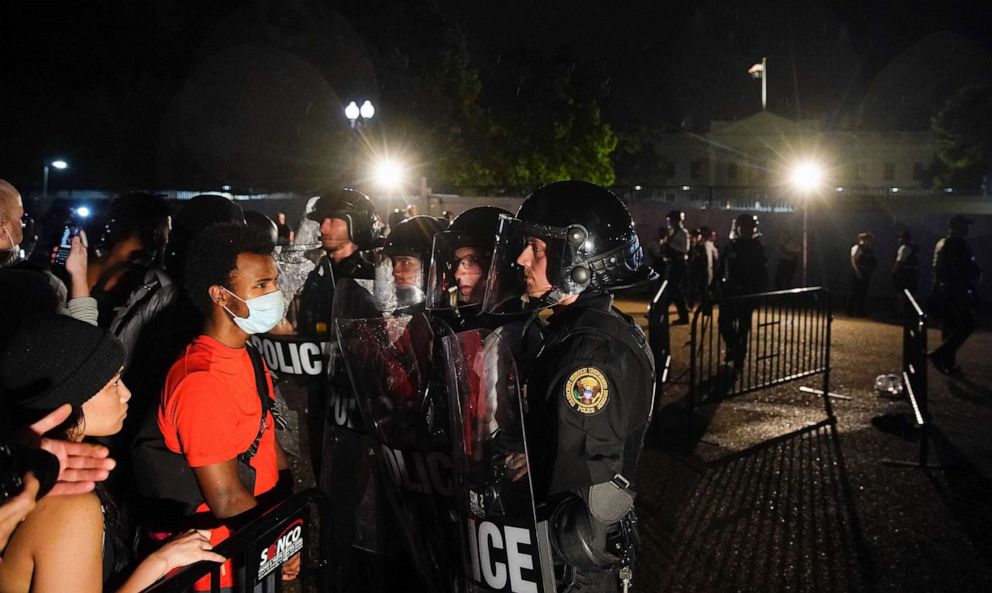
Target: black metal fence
[(259, 549), (914, 368), (753, 342)]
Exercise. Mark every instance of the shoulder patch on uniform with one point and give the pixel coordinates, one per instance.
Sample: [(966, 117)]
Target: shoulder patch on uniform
[(587, 391)]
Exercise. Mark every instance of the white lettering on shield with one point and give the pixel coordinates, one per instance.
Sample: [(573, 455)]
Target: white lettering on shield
[(413, 471), (489, 543)]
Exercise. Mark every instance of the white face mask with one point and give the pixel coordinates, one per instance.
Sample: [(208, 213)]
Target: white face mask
[(264, 312)]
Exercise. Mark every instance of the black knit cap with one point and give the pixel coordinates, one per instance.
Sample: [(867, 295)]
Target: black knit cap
[(57, 360)]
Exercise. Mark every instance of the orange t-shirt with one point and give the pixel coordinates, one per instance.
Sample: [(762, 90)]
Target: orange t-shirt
[(210, 413)]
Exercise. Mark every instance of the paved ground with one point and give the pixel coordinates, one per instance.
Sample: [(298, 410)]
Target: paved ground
[(765, 496)]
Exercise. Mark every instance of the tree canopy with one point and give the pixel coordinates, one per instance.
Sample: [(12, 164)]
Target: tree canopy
[(963, 130)]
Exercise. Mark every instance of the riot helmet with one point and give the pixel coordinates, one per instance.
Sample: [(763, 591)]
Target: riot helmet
[(353, 207), (461, 259), (264, 225), (567, 237), (401, 270)]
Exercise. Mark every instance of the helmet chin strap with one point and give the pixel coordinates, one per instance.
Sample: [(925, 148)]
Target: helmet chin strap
[(548, 299)]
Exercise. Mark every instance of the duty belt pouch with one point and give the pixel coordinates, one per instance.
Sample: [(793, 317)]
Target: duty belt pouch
[(165, 477)]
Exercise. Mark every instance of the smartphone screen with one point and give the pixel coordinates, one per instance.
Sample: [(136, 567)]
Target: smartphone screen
[(65, 243)]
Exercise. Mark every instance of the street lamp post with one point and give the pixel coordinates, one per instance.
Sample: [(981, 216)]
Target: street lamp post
[(357, 115), (57, 164), (806, 177)]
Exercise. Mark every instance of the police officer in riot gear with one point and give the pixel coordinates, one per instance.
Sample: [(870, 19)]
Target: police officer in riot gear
[(590, 389), (401, 276), (390, 358), (459, 267), (743, 270), (348, 226)]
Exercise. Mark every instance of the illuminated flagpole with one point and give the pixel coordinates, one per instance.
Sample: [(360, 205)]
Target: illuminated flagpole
[(761, 71)]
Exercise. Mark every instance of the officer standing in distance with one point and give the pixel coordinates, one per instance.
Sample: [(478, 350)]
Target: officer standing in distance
[(743, 271), (676, 252), (953, 295), (590, 389)]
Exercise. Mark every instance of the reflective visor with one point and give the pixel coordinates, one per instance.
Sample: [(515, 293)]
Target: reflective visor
[(399, 282), (527, 267), (459, 267)]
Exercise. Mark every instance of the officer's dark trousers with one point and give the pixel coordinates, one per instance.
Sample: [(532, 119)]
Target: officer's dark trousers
[(734, 324), (959, 322), (316, 418), (857, 305), (677, 273), (345, 476)]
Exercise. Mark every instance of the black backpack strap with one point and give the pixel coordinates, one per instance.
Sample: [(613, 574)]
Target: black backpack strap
[(262, 387)]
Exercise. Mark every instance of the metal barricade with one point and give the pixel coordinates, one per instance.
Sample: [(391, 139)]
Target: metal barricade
[(914, 370), (259, 548), (659, 336), (748, 343)]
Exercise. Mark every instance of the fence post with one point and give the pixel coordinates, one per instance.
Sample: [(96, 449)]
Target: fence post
[(659, 339)]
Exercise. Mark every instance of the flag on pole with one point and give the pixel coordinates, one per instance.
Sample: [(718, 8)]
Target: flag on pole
[(757, 71)]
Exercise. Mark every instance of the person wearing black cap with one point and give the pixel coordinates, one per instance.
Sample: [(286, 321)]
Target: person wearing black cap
[(73, 543), (953, 295), (675, 249)]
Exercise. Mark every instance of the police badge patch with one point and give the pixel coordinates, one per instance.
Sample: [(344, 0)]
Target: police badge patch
[(587, 391)]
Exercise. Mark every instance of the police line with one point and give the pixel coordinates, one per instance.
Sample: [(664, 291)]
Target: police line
[(292, 355)]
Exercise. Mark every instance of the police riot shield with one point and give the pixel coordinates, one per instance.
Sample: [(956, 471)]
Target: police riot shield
[(505, 548), (390, 362), (346, 470)]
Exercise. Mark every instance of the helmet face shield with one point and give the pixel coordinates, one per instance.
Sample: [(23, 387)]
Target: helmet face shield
[(399, 282), (459, 267), (529, 268)]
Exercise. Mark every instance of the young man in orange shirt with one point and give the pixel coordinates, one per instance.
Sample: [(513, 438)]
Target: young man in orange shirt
[(211, 409)]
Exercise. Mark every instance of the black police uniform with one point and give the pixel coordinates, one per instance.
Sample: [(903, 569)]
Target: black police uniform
[(954, 271), (591, 392), (314, 321), (743, 270), (865, 260)]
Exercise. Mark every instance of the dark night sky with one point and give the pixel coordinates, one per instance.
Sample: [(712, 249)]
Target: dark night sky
[(871, 64)]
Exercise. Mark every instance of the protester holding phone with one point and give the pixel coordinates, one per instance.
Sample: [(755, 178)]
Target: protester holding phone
[(78, 304), (71, 254)]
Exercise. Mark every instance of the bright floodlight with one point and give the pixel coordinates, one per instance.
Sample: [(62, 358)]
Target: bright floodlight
[(83, 211), (388, 173), (351, 111), (60, 164), (367, 110), (807, 176)]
